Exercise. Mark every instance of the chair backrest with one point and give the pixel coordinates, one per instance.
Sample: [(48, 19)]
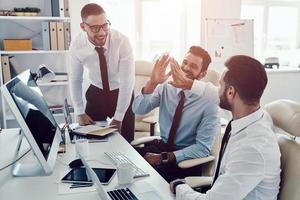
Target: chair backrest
[(286, 116), (212, 76), (143, 71)]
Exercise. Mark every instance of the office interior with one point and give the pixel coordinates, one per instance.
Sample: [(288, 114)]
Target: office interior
[(155, 27)]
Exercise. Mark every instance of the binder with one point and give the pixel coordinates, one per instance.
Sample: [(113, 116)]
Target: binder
[(61, 8), (67, 34), (55, 8), (47, 8), (60, 36), (46, 36), (53, 35), (5, 68), (66, 7)]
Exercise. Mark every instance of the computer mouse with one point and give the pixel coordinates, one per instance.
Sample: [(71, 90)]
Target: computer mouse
[(75, 163)]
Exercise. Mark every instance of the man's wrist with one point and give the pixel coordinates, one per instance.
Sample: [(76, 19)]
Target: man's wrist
[(189, 84), (167, 157), (149, 87)]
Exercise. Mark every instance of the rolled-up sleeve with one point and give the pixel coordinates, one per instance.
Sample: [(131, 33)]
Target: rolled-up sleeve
[(144, 103)]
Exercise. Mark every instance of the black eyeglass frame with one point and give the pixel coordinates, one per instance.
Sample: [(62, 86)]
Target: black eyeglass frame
[(96, 28)]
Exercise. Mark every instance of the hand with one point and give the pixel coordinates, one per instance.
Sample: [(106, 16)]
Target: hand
[(179, 78), (174, 183), (158, 74), (153, 159), (117, 124), (84, 119)]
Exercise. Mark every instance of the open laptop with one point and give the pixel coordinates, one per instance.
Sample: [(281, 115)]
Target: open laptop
[(145, 192)]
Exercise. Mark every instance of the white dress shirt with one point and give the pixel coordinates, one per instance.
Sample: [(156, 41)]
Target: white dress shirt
[(120, 66), (250, 167)]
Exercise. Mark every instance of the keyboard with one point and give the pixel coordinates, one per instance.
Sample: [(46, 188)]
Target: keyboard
[(122, 194), (118, 158)]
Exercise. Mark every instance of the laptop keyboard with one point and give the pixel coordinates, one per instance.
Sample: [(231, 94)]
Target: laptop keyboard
[(118, 158), (122, 194)]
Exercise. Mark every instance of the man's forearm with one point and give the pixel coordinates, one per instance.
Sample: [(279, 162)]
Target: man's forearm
[(149, 87)]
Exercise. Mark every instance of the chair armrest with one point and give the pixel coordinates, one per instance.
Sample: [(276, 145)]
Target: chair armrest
[(194, 162), (198, 181), (144, 140), (150, 119)]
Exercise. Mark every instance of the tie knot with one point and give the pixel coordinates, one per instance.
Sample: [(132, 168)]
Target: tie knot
[(182, 95), (99, 49)]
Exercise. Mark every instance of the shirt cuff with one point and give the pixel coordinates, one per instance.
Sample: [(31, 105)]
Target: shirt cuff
[(179, 156), (198, 87)]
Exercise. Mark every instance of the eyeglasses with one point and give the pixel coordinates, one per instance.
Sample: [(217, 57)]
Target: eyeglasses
[(96, 28)]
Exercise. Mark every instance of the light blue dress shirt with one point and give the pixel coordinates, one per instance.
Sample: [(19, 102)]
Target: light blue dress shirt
[(198, 125)]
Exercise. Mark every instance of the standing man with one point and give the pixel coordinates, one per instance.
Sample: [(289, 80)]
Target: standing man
[(188, 123), (107, 56), (249, 159)]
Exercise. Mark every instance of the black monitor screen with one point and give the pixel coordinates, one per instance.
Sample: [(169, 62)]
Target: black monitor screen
[(35, 111)]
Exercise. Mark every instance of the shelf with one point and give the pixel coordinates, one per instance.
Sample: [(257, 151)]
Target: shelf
[(57, 83), (37, 18), (34, 52)]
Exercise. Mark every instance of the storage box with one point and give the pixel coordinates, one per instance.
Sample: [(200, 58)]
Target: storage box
[(17, 44)]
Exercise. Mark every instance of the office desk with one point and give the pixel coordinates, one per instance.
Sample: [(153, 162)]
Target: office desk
[(46, 187)]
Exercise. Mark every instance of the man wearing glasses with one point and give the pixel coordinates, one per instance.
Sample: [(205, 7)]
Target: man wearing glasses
[(105, 56)]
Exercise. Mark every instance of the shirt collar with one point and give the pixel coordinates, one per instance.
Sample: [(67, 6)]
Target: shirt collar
[(187, 93), (105, 47), (240, 124)]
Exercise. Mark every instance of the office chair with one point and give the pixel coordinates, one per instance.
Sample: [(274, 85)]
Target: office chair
[(286, 118), (145, 125), (207, 162)]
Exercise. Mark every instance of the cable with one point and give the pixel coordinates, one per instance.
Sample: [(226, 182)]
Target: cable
[(15, 160)]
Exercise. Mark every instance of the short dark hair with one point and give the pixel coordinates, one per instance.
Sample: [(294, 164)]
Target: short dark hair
[(200, 52), (91, 9), (248, 76)]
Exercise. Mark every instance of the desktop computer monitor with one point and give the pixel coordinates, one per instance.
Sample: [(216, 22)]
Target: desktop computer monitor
[(37, 123)]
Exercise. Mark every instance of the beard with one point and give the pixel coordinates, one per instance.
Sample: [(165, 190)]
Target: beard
[(98, 40), (224, 103)]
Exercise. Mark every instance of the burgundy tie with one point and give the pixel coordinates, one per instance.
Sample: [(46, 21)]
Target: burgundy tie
[(222, 150), (175, 123), (103, 69)]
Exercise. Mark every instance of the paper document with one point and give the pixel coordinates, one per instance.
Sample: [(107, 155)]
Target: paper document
[(94, 130)]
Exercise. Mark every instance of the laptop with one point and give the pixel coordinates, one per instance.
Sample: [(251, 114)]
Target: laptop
[(145, 192)]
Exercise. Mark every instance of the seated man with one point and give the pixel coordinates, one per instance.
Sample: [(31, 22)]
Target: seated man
[(249, 160), (188, 122)]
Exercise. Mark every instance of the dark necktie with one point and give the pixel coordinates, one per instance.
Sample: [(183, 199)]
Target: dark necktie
[(222, 149), (103, 69), (175, 123)]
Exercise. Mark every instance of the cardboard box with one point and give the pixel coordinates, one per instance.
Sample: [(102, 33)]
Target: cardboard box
[(17, 44)]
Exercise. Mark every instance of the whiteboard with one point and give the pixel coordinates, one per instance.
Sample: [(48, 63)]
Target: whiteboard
[(227, 37)]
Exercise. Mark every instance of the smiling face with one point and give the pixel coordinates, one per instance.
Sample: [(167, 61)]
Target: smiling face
[(98, 38), (192, 66)]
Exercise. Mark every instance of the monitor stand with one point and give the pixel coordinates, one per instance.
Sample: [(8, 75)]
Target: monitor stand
[(33, 168)]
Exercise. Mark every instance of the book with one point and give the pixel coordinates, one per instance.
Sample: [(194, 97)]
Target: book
[(94, 130), (60, 36), (53, 36), (46, 36), (55, 8), (60, 76)]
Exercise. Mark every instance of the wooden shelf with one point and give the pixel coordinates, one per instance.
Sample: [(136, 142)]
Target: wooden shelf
[(57, 83), (37, 18), (34, 52)]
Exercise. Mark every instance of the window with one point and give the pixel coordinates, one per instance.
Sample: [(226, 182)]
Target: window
[(276, 29), (156, 26)]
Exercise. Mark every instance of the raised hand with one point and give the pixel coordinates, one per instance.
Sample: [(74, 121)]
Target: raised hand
[(179, 78)]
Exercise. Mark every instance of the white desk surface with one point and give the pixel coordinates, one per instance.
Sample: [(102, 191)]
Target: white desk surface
[(46, 187)]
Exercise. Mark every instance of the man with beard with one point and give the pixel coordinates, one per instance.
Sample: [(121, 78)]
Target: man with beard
[(107, 58), (188, 123), (249, 159)]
